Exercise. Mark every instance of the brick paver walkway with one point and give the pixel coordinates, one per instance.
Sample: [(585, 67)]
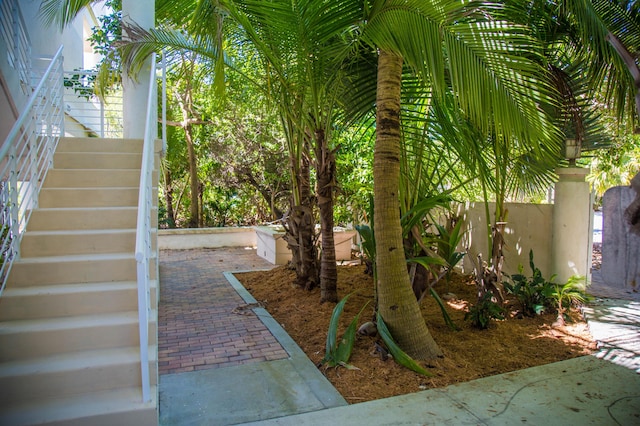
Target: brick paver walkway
[(196, 327)]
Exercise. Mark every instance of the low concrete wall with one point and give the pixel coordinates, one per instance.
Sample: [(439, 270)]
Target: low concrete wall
[(272, 246), (529, 227), (183, 239)]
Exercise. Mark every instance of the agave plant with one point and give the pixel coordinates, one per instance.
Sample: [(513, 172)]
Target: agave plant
[(338, 352)]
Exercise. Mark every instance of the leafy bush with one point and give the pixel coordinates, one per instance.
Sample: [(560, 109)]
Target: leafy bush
[(563, 296), (484, 311), (534, 294), (448, 241)]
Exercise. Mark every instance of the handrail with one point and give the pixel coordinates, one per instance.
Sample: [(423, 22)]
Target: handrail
[(144, 231), (97, 116), (13, 31), (25, 158)]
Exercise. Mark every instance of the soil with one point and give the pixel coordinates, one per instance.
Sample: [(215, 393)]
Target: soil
[(513, 344)]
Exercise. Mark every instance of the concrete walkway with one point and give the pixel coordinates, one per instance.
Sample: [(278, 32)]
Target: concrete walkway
[(221, 368)]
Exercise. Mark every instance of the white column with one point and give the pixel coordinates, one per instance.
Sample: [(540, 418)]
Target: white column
[(572, 225), (135, 88)]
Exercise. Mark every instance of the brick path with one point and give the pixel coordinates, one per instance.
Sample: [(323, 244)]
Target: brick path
[(196, 328)]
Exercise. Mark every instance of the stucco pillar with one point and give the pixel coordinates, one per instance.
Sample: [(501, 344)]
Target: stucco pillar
[(135, 88), (572, 225)]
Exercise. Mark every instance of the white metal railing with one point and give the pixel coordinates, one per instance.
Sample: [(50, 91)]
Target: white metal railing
[(144, 229), (14, 33), (25, 158), (97, 117)]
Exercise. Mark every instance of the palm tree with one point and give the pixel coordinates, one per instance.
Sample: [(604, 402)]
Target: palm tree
[(449, 46)]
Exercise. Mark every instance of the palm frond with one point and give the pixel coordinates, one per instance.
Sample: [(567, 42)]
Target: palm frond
[(61, 12)]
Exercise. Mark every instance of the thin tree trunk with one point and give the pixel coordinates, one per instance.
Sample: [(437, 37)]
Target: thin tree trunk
[(200, 205), (168, 196), (397, 303), (194, 210), (325, 174)]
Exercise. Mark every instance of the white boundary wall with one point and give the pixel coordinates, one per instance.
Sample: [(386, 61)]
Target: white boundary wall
[(529, 226), (184, 239)]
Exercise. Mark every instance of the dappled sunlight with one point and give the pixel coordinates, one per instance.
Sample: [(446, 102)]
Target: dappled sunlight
[(615, 325), (458, 305), (570, 334)]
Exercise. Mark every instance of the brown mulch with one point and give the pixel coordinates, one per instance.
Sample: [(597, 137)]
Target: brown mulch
[(469, 353)]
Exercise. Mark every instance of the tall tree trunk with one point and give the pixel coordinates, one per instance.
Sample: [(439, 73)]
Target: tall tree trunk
[(397, 303), (168, 197), (325, 174)]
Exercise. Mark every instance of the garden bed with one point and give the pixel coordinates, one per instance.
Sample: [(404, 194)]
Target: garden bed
[(509, 345)]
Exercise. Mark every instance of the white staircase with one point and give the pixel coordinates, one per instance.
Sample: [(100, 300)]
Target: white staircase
[(69, 337)]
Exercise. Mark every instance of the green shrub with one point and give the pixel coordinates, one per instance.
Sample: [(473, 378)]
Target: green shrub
[(534, 294), (564, 295), (484, 311)]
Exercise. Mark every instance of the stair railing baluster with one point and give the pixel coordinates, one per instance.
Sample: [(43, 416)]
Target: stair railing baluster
[(25, 158)]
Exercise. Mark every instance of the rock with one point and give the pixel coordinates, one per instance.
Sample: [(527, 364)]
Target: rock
[(368, 329)]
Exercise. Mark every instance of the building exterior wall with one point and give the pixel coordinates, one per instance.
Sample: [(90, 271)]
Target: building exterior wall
[(43, 42)]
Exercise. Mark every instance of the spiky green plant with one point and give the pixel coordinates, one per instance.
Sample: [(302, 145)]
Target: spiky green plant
[(338, 352)]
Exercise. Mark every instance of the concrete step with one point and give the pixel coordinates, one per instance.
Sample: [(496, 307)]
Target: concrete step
[(80, 218), (72, 373), (107, 408), (88, 197), (62, 243), (37, 338), (97, 160), (99, 145), (92, 178), (52, 301), (73, 269)]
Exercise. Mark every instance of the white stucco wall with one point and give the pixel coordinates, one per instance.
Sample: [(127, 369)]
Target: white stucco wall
[(185, 239), (529, 227)]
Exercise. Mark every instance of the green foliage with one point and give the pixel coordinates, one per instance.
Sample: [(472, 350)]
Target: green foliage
[(537, 295), (617, 165), (448, 241), (419, 211), (484, 311), (398, 354), (368, 238), (6, 253), (533, 293), (110, 30), (355, 175), (81, 84), (564, 295), (339, 352)]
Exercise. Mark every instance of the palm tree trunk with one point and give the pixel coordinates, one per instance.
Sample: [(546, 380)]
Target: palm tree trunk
[(300, 230), (325, 173), (397, 303)]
